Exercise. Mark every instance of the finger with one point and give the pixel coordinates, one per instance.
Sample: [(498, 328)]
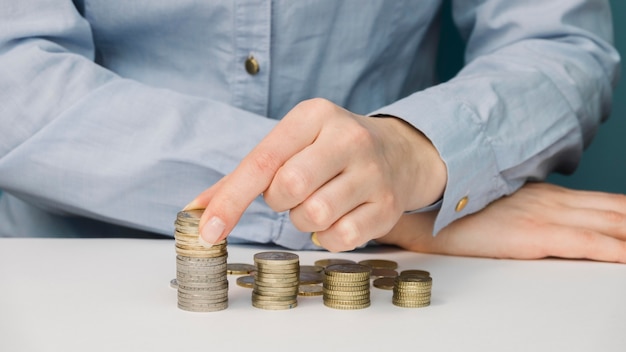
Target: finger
[(608, 222), (596, 200), (367, 221), (304, 173), (332, 201), (579, 243), (256, 171), (577, 198)]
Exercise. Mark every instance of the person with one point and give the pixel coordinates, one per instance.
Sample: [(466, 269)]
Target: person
[(116, 114)]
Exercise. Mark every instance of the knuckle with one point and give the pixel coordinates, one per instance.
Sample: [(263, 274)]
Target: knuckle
[(294, 183), (265, 162), (316, 107), (318, 212), (587, 237), (348, 235), (613, 217), (388, 201), (359, 135)]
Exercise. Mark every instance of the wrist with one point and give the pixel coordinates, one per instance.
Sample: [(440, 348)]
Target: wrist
[(424, 173)]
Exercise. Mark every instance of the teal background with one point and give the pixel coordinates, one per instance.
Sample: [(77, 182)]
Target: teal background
[(603, 165)]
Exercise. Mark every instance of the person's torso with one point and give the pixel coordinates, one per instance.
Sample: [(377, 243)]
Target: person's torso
[(358, 54)]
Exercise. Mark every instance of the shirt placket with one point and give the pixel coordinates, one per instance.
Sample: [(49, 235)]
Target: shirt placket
[(252, 55)]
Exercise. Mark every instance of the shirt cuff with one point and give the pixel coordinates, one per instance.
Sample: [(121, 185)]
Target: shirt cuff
[(434, 206), (457, 133)]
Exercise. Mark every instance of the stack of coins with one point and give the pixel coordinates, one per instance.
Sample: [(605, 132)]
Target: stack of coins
[(347, 286), (412, 289), (276, 280), (200, 271)]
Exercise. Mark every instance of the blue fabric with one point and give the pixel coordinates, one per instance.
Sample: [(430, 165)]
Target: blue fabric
[(120, 112)]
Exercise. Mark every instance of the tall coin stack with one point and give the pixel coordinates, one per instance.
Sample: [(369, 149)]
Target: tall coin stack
[(347, 286), (200, 272), (412, 290), (276, 280)]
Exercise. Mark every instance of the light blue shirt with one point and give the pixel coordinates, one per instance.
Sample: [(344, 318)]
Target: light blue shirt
[(114, 113)]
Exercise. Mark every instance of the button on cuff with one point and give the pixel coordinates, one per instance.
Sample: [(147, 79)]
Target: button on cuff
[(460, 205)]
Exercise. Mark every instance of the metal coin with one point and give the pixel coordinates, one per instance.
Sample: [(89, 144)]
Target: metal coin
[(190, 215), (384, 283), (413, 280), (414, 272), (311, 269), (346, 306), (268, 306), (246, 281), (380, 264), (239, 268), (311, 278), (203, 307), (326, 262), (310, 290), (377, 272), (278, 258), (347, 270)]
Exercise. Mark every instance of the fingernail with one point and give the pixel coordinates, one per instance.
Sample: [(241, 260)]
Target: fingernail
[(315, 240), (211, 231), (190, 206)]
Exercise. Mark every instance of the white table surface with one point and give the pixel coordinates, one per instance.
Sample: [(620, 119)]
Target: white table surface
[(114, 295)]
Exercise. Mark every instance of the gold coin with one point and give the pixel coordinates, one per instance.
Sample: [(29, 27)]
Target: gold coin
[(377, 272), (380, 264), (326, 262), (311, 269), (411, 304), (347, 269), (414, 272), (384, 283), (345, 284), (414, 280), (346, 306)]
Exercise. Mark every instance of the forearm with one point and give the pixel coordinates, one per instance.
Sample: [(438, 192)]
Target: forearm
[(79, 140), (528, 101)]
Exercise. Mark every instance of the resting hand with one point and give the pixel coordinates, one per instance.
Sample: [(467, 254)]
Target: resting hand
[(345, 176), (540, 220)]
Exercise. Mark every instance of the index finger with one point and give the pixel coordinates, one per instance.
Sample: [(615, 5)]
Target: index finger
[(226, 202)]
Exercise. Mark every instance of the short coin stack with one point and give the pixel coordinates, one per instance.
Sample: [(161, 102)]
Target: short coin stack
[(347, 286), (276, 280), (412, 289), (200, 271)]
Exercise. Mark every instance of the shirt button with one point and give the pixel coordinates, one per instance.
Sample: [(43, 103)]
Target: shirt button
[(461, 204), (252, 66)]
